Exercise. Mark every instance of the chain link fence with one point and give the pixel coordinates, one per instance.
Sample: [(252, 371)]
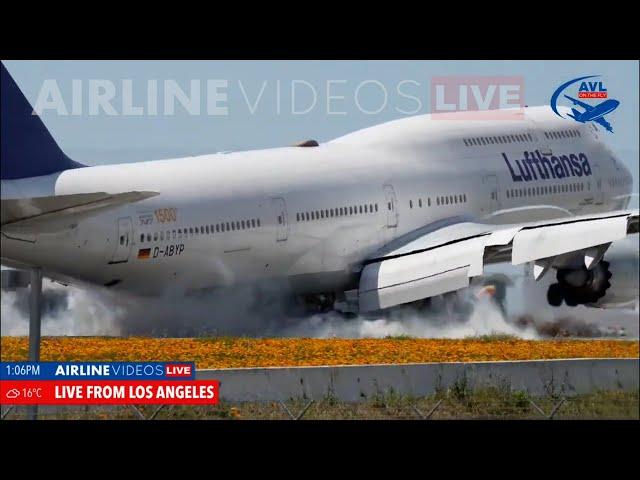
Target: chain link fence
[(453, 404)]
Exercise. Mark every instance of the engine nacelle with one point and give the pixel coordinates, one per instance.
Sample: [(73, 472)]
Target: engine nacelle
[(612, 283), (623, 265)]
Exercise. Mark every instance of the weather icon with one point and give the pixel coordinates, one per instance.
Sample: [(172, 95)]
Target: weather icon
[(13, 393)]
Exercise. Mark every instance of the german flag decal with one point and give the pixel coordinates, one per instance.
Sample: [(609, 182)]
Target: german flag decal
[(144, 253)]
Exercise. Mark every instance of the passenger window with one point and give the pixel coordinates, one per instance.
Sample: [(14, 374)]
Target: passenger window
[(376, 207), (155, 237), (428, 201), (142, 238)]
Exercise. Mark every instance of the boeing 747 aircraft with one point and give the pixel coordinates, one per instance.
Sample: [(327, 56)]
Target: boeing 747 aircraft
[(392, 214)]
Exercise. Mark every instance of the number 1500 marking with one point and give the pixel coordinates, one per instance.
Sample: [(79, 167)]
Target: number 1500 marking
[(166, 215)]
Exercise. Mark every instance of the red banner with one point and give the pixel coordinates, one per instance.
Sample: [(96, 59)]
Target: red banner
[(113, 392)]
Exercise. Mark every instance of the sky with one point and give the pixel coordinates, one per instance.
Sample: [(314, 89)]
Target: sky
[(262, 104)]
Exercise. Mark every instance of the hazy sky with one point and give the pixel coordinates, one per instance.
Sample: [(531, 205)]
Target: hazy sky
[(266, 88)]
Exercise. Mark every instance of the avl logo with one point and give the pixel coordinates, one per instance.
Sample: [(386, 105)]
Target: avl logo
[(592, 90), (481, 97), (588, 89)]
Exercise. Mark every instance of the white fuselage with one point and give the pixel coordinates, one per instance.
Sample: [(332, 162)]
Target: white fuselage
[(295, 206)]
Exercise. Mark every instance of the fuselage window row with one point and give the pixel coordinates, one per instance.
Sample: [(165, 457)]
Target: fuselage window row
[(336, 212), (442, 200), (548, 190), (201, 230), (560, 134), (519, 137), (498, 139)]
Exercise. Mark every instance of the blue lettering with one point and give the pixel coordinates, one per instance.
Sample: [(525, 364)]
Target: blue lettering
[(546, 164), (516, 178), (526, 174), (576, 164), (566, 163), (586, 168), (561, 166)]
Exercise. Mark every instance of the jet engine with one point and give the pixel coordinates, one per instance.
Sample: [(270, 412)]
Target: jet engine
[(612, 283)]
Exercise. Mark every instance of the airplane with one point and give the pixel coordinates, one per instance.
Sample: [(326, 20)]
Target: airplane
[(385, 216), (594, 113)]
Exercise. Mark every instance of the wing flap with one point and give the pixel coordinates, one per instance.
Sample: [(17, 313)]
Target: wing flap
[(411, 277), (441, 260), (532, 244)]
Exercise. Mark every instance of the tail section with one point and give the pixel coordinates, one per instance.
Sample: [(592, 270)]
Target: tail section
[(27, 149)]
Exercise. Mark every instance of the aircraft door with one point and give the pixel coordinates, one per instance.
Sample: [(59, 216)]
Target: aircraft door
[(124, 241), (491, 187), (391, 206), (282, 225), (598, 193)]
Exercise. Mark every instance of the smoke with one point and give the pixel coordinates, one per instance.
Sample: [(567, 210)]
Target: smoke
[(263, 311), (256, 311), (484, 318), (65, 311)]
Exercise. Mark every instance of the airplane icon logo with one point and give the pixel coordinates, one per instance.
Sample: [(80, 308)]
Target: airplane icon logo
[(591, 113), (594, 113)]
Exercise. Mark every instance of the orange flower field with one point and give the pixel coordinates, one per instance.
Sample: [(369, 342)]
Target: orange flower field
[(249, 352)]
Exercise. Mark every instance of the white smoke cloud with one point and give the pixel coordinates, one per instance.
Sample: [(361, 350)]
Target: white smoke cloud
[(75, 312), (65, 311)]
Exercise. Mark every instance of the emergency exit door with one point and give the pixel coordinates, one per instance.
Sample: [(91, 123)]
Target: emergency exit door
[(391, 206), (124, 240), (282, 225)]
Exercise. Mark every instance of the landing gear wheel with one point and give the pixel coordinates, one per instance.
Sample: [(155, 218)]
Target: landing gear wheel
[(571, 300), (582, 286), (555, 295)]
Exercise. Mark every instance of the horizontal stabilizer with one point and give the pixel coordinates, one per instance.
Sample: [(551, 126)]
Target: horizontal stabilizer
[(43, 214)]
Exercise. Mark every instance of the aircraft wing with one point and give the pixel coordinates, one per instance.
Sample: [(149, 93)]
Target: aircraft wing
[(586, 106), (604, 123), (44, 214), (436, 260)]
